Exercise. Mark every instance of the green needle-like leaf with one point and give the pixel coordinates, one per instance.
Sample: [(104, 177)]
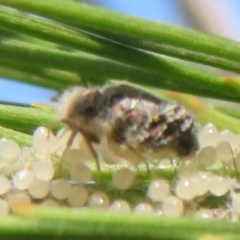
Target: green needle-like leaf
[(60, 223), (20, 138), (162, 38), (26, 119), (155, 70)]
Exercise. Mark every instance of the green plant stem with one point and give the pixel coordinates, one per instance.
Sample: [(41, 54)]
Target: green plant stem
[(70, 38), (26, 119), (11, 73), (59, 223), (229, 110), (179, 78), (51, 78), (221, 120), (143, 34), (61, 35), (20, 138)]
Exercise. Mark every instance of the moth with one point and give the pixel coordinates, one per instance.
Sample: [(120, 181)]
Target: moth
[(130, 120)]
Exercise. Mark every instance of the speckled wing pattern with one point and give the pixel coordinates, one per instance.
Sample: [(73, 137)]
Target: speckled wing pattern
[(150, 124)]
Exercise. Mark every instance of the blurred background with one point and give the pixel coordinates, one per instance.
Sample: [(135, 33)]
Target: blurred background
[(219, 17)]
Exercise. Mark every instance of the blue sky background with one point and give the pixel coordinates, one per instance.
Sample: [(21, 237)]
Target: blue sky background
[(168, 11)]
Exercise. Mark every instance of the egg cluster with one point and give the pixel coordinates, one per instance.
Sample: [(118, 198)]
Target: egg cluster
[(50, 174)]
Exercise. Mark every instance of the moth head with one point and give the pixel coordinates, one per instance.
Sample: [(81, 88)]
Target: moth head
[(68, 105), (79, 105)]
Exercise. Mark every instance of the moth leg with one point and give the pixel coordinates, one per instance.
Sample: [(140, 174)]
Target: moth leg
[(235, 166), (141, 157), (175, 168), (71, 138), (92, 150), (69, 143), (147, 168)]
